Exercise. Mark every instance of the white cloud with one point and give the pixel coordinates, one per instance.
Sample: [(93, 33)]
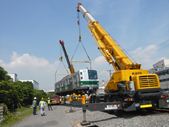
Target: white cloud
[(28, 66), (145, 55), (27, 60), (99, 60), (102, 67), (32, 67)]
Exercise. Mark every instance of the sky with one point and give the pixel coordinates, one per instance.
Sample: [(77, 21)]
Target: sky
[(31, 29)]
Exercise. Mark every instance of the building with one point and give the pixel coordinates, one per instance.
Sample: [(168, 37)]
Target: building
[(164, 78), (161, 65), (35, 83), (13, 76), (161, 68)]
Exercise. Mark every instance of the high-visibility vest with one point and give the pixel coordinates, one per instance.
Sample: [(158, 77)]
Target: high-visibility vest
[(83, 99), (42, 104), (48, 101)]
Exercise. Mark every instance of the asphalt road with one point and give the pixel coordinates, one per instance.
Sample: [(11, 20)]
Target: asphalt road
[(59, 117)]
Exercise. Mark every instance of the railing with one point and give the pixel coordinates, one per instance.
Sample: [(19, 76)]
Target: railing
[(1, 113)]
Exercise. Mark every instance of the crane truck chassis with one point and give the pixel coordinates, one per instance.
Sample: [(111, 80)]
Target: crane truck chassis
[(130, 87)]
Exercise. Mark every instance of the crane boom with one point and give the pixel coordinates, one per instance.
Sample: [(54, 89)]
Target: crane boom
[(126, 71), (109, 48), (70, 66), (130, 86)]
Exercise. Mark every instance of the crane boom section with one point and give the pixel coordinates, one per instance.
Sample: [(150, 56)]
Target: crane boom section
[(70, 66), (109, 48)]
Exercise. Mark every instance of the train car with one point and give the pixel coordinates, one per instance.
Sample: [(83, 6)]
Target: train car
[(55, 100), (84, 80)]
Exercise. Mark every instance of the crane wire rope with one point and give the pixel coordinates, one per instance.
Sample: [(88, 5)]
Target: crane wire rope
[(80, 41)]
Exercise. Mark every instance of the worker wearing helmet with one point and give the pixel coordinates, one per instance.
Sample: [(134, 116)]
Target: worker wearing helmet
[(34, 105), (49, 104), (42, 105)]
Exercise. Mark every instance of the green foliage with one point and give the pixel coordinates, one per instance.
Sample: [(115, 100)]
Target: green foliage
[(25, 92), (9, 95), (3, 75), (17, 94), (51, 94), (39, 94)]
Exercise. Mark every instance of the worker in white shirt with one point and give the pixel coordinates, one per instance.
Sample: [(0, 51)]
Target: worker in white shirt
[(42, 105)]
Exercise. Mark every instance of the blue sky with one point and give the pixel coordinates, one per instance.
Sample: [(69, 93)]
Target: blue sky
[(30, 31)]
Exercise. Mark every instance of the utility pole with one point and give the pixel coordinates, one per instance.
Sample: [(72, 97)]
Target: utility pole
[(110, 72)]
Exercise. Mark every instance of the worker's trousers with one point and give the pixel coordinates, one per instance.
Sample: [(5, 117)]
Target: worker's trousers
[(42, 111)]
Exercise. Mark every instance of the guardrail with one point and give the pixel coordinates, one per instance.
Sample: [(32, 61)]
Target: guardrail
[(1, 113)]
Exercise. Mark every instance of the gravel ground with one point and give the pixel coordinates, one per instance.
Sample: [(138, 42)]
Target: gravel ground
[(130, 119), (60, 117)]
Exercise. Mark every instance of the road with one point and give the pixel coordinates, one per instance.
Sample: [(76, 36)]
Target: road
[(59, 117)]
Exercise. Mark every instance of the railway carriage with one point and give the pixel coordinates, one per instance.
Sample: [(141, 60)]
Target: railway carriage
[(84, 80)]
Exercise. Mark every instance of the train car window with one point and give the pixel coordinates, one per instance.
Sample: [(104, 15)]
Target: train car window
[(80, 73), (92, 74)]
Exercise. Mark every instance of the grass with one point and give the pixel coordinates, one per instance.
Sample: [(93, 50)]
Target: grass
[(13, 118)]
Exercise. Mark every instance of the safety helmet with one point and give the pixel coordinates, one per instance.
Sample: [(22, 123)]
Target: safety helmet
[(34, 98)]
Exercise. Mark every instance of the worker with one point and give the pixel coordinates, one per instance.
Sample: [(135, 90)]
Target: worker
[(83, 99), (79, 98), (42, 105), (87, 97), (70, 99), (49, 104), (34, 105)]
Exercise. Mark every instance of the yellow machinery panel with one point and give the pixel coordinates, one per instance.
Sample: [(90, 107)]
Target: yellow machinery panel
[(142, 80), (147, 81), (146, 106)]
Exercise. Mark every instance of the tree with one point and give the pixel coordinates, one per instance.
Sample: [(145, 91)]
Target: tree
[(3, 75), (16, 94), (39, 94), (9, 95)]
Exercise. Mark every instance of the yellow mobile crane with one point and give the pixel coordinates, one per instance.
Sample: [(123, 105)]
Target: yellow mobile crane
[(130, 87)]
